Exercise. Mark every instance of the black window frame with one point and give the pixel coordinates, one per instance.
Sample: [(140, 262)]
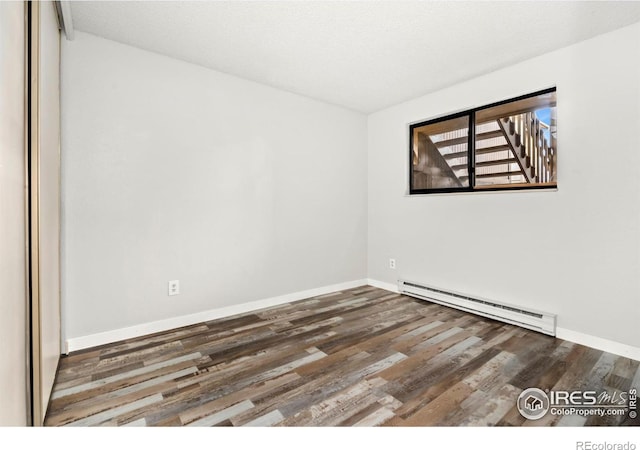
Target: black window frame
[(471, 149)]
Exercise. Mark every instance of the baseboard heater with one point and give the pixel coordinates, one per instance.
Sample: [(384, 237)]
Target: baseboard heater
[(526, 318)]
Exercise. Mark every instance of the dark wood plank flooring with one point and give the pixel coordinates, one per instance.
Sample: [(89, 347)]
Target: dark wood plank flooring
[(361, 357)]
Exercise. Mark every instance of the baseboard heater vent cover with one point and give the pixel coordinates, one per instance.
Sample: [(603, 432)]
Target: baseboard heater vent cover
[(526, 318)]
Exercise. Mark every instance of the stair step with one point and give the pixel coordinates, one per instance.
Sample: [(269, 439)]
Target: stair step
[(492, 175), (499, 174), (464, 140), (479, 151), (497, 162)]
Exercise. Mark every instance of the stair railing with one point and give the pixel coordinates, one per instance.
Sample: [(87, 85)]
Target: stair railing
[(534, 146)]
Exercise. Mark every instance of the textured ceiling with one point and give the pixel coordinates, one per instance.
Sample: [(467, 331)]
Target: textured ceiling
[(362, 55)]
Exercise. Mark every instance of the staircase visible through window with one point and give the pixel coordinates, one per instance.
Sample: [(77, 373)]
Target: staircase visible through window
[(512, 146)]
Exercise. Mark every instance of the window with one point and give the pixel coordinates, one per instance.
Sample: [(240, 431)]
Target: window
[(506, 145)]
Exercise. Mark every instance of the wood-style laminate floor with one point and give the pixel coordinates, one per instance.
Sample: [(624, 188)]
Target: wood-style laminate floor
[(359, 357)]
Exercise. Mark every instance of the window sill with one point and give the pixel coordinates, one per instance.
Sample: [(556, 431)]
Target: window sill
[(486, 191)]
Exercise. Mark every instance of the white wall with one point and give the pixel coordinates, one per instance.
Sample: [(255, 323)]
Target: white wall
[(13, 319), (173, 171), (574, 252)]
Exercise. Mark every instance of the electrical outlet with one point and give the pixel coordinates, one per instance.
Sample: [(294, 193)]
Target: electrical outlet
[(392, 263), (174, 287)]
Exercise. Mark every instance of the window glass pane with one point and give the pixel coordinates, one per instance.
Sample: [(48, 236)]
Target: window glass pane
[(516, 142), (440, 155)]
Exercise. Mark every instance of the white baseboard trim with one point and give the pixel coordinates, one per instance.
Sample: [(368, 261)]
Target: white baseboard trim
[(383, 285), (617, 348), (587, 340), (107, 337)]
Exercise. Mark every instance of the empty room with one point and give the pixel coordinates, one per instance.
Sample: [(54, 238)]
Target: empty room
[(320, 214)]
